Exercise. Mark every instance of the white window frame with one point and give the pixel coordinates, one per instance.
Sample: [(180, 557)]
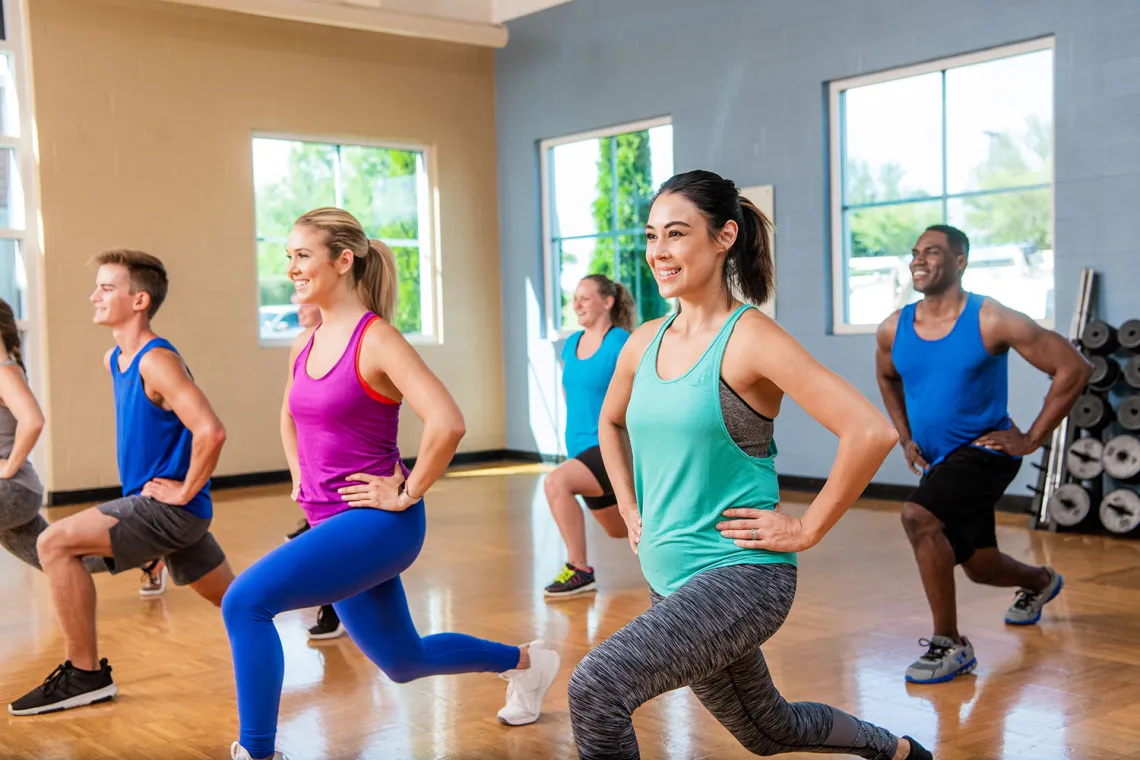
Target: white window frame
[(29, 239), (431, 305), (552, 271), (838, 263)]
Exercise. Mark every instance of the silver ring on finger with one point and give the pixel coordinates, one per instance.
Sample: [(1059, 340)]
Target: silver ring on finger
[(753, 534)]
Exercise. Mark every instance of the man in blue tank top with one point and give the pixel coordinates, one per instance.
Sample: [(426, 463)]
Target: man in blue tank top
[(943, 372), (168, 441)]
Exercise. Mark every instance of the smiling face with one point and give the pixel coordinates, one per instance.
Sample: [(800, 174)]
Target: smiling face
[(317, 277), (936, 265), (589, 304), (114, 302), (684, 259)]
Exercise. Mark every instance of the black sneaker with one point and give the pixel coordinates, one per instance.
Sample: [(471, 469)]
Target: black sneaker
[(65, 688), (304, 526), (917, 751), (328, 625), (571, 581)]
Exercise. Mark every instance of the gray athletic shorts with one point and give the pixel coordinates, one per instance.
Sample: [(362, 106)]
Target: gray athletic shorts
[(148, 530)]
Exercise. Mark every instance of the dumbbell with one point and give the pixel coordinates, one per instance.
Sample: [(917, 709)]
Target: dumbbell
[(1083, 459), (1120, 510), (1128, 335), (1121, 458), (1091, 412), (1070, 504), (1099, 337), (1132, 372), (1128, 413), (1105, 374)]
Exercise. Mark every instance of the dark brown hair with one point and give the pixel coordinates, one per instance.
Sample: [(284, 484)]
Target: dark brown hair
[(10, 334), (748, 267)]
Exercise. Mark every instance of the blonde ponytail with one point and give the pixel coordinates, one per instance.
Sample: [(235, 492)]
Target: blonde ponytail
[(377, 284), (373, 263)]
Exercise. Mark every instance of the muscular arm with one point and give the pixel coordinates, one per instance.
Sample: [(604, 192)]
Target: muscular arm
[(1004, 328), (387, 353), (17, 396), (164, 374), (891, 388), (890, 383)]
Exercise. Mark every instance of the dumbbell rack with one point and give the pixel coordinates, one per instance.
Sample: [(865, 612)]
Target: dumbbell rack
[(1095, 474)]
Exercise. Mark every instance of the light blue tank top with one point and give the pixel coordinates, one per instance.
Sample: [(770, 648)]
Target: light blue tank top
[(955, 389), (586, 382)]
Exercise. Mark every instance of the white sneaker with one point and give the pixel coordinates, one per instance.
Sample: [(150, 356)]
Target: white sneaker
[(152, 587), (238, 752), (526, 688)]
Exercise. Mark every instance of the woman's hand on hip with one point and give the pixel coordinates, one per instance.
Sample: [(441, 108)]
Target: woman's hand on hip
[(377, 491), (771, 529)]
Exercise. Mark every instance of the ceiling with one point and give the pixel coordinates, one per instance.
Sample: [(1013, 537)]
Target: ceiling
[(475, 22)]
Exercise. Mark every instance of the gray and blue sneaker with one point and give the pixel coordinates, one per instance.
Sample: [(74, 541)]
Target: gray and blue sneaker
[(1026, 608), (943, 661)]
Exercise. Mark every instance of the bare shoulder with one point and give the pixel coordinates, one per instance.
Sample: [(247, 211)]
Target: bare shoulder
[(885, 332), (380, 333), (161, 361), (107, 358)]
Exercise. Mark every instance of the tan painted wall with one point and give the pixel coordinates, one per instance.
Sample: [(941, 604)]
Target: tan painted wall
[(145, 112)]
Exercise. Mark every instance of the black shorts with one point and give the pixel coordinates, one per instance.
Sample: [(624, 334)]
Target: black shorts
[(962, 491), (592, 458)]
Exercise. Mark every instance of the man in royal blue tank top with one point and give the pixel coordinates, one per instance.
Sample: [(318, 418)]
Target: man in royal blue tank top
[(168, 441), (943, 373)]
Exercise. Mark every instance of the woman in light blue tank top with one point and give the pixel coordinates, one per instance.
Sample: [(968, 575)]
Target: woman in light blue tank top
[(605, 312), (702, 513)]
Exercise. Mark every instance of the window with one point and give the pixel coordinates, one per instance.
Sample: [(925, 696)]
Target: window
[(596, 193), (386, 188), (966, 142)]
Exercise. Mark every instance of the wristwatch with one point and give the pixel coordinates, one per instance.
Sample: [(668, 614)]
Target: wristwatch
[(403, 491)]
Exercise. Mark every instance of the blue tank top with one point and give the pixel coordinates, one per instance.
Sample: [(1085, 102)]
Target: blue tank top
[(586, 382), (955, 389), (152, 442)]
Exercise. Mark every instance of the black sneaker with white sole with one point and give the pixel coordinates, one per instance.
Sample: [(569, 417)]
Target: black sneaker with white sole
[(328, 625), (65, 688)]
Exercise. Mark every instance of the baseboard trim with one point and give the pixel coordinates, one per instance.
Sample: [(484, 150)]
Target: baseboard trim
[(886, 491), (274, 477), (898, 492)]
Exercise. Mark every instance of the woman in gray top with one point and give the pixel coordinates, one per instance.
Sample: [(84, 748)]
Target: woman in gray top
[(21, 421)]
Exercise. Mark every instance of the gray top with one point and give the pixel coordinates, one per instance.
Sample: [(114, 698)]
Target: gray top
[(749, 429), (26, 475)]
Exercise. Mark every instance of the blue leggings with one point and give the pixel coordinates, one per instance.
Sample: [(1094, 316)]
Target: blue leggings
[(352, 560)]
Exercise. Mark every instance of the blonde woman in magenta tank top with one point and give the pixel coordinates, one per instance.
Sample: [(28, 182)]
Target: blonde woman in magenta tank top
[(694, 402), (347, 380)]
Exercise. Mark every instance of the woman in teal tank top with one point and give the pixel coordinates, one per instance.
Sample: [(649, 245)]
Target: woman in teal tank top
[(702, 514)]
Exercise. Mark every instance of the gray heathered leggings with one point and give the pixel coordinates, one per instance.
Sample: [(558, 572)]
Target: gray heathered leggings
[(21, 524), (707, 636)]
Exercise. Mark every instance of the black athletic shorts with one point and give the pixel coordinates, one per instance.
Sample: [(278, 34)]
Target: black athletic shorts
[(962, 491), (592, 458)]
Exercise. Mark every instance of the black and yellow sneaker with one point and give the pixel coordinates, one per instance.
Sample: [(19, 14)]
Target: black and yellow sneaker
[(65, 688), (572, 580)]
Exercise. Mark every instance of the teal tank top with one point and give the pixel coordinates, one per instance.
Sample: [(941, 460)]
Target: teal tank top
[(687, 470)]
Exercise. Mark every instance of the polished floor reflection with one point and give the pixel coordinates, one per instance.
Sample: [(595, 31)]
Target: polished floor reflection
[(1067, 688)]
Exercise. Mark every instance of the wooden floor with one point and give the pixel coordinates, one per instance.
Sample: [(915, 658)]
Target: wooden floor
[(1067, 688)]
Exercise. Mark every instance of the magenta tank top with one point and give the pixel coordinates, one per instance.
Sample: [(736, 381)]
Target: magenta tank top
[(343, 427)]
